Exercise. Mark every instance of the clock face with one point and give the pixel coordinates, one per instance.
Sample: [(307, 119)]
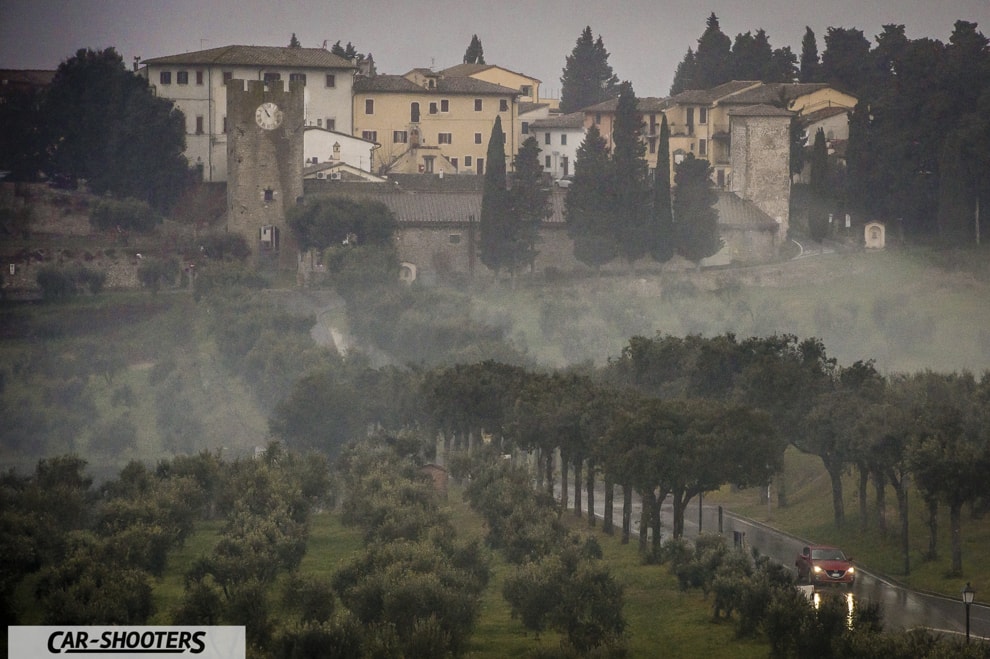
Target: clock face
[(268, 116)]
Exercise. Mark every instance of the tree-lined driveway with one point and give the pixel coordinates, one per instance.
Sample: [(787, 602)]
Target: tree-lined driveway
[(903, 608)]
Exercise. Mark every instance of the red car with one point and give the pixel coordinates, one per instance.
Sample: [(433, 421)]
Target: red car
[(820, 566)]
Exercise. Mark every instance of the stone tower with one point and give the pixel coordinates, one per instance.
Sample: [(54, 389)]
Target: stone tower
[(761, 160), (265, 166)]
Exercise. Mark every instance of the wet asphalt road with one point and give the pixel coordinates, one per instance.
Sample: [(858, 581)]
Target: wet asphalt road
[(902, 608)]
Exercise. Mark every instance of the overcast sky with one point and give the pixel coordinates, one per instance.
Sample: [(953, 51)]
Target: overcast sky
[(646, 38)]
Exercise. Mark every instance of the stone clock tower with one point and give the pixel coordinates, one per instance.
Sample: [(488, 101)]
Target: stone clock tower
[(265, 166)]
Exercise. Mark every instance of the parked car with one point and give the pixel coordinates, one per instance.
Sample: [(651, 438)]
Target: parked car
[(563, 182), (820, 566)]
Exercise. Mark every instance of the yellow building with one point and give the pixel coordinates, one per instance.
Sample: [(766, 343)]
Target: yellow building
[(428, 122), (699, 119)]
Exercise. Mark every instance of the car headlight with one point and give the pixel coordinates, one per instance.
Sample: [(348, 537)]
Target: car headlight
[(818, 570), (851, 570)]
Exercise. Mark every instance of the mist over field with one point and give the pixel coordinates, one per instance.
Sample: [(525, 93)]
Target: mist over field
[(908, 310)]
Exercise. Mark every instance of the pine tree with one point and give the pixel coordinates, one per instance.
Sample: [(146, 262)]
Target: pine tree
[(685, 75), (474, 54), (695, 217), (587, 205), (496, 228), (587, 78), (713, 56), (662, 245), (529, 201), (348, 52), (810, 66), (294, 42), (631, 199)]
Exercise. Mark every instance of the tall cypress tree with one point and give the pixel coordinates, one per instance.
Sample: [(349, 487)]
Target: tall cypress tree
[(631, 200), (818, 218), (474, 54), (529, 202), (662, 243), (810, 65), (695, 215), (587, 205), (587, 77), (496, 218)]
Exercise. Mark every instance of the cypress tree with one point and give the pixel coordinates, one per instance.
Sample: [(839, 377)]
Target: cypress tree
[(631, 202), (695, 217), (818, 219), (587, 205), (662, 244), (587, 78), (529, 202), (474, 54), (810, 65), (496, 218)]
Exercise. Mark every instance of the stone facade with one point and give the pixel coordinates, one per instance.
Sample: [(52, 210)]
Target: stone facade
[(760, 159), (265, 167)]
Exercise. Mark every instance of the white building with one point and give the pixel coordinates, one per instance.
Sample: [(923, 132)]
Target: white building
[(196, 83), (331, 146), (559, 137)]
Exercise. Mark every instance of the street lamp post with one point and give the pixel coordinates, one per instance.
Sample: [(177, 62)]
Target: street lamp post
[(967, 596)]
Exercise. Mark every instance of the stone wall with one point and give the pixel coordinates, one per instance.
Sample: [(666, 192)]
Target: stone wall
[(761, 165)]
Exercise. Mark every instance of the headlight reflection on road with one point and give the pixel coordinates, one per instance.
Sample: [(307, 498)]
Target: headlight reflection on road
[(816, 601)]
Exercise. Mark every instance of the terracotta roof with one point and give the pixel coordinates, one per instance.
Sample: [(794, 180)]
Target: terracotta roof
[(824, 113), (738, 213), (713, 95), (401, 84), (762, 110), (471, 69), (646, 104), (258, 56), (439, 208), (527, 106), (572, 120)]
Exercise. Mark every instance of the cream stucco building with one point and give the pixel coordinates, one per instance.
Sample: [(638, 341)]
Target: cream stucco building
[(196, 82), (428, 122)]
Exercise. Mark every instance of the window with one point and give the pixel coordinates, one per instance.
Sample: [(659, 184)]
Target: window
[(653, 144), (369, 135), (477, 138), (299, 77), (428, 164), (546, 138), (227, 76), (454, 238), (269, 194), (702, 147), (331, 123), (271, 77), (565, 166), (165, 77), (369, 106), (503, 105), (182, 77), (445, 138), (319, 123), (433, 108), (453, 161), (478, 106), (563, 139), (690, 116), (199, 77), (331, 80), (199, 124), (702, 115), (444, 105), (598, 117), (546, 162), (467, 161), (525, 128), (400, 137), (224, 124), (414, 113), (526, 90)]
